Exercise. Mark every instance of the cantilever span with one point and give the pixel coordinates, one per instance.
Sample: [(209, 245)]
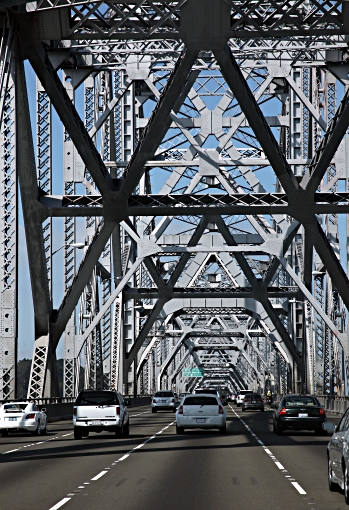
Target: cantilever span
[(204, 167)]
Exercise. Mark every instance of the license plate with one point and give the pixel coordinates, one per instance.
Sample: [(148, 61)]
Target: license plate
[(302, 415), (200, 420), (97, 422), (254, 402), (12, 419)]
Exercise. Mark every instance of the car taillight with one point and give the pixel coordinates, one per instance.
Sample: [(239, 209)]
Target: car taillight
[(154, 401), (282, 411), (245, 399), (260, 400), (220, 411), (322, 411), (180, 410), (117, 409), (30, 416), (74, 411)]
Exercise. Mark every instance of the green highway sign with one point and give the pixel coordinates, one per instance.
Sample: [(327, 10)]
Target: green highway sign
[(193, 372)]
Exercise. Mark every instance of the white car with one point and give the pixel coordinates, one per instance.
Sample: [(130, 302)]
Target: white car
[(241, 396), (202, 411), (22, 417)]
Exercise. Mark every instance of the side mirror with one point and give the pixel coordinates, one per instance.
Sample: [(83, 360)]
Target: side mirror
[(43, 409), (329, 426)]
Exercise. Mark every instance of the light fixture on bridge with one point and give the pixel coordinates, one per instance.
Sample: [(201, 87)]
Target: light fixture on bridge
[(79, 246)]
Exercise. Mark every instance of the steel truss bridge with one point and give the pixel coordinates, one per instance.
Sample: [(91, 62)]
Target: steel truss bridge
[(203, 165)]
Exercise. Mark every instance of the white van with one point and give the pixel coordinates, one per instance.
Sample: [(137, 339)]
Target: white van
[(241, 396)]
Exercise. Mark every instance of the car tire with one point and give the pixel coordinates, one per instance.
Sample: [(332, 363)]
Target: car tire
[(174, 410), (4, 433), (274, 428), (179, 430), (154, 410), (77, 433), (127, 429), (119, 432), (346, 486), (318, 432), (279, 430), (331, 485), (223, 430), (243, 409), (37, 432), (85, 433), (262, 410)]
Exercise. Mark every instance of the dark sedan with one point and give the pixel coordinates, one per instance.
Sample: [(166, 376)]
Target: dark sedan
[(252, 401), (299, 412)]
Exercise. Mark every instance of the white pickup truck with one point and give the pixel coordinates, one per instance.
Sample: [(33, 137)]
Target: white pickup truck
[(97, 411)]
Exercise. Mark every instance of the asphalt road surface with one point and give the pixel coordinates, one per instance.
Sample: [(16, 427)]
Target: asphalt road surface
[(250, 468)]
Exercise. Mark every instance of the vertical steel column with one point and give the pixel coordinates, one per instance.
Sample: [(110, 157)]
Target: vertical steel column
[(8, 237), (70, 156)]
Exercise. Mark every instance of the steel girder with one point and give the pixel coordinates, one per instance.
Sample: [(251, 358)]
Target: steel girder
[(187, 168)]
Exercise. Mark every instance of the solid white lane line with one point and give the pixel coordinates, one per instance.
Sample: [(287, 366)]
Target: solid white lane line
[(10, 451), (97, 477), (298, 487), (61, 503), (271, 455)]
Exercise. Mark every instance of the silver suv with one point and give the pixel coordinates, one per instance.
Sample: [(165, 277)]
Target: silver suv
[(95, 411), (164, 399)]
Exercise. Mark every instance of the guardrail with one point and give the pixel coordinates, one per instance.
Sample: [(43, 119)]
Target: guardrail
[(61, 408)]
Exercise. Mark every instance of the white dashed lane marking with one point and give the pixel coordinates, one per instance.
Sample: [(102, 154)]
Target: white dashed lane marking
[(272, 457), (102, 473)]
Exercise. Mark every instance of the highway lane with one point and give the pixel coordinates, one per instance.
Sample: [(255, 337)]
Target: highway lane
[(250, 468)]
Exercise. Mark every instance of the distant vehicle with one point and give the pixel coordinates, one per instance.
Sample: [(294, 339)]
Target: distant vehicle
[(97, 411), (252, 401), (338, 455), (208, 391), (241, 395), (233, 398), (299, 412), (201, 411), (164, 400), (22, 417)]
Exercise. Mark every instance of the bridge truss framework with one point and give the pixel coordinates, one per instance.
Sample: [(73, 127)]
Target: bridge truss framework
[(205, 169)]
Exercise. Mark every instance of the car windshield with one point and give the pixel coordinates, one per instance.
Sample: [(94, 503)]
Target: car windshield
[(301, 401), (163, 394), (97, 398), (207, 391), (253, 395), (200, 401)]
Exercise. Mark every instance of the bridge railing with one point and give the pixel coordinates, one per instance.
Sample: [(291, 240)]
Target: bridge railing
[(61, 408)]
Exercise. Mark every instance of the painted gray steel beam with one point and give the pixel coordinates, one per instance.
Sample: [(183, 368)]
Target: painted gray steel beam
[(252, 111), (159, 122), (329, 144), (80, 281), (67, 113), (31, 208)]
